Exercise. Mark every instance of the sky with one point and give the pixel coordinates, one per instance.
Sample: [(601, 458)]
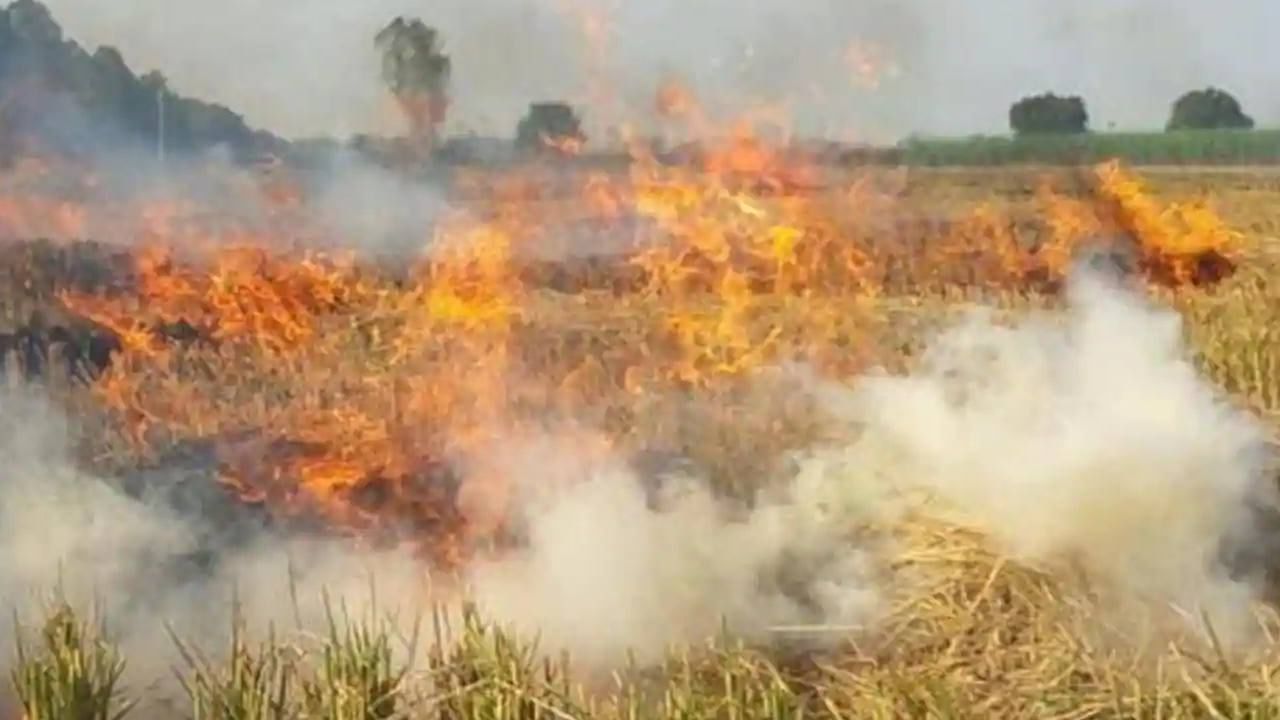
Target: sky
[(946, 67)]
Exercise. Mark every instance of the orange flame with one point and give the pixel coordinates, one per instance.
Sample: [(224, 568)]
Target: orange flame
[(375, 403)]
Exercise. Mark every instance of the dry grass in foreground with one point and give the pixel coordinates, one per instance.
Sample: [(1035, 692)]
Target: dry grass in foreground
[(983, 638)]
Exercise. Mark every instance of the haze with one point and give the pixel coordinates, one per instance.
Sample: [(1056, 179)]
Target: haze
[(309, 68)]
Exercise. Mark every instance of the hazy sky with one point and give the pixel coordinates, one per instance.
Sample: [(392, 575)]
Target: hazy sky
[(302, 67)]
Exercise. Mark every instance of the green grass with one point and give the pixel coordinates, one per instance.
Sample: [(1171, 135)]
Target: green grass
[(1212, 147)]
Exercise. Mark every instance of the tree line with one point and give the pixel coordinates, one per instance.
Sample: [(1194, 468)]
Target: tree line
[(55, 93), (1048, 113), (416, 71), (1204, 127)]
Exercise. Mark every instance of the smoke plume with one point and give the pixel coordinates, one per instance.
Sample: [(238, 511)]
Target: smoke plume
[(614, 563), (144, 563), (1087, 441)]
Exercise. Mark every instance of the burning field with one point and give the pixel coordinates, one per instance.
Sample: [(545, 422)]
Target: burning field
[(743, 436)]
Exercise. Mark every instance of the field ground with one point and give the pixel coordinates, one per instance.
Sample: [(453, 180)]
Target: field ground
[(983, 634)]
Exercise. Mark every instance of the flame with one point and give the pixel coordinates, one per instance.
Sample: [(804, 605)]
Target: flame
[(674, 99), (379, 403), (1183, 243), (30, 208), (568, 145), (869, 65)]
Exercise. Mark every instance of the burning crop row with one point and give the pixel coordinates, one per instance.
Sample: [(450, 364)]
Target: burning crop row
[(370, 401)]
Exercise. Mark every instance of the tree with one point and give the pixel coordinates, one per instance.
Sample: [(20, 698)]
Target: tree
[(1049, 113), (1208, 109), (58, 97), (416, 71), (550, 126), (33, 23)]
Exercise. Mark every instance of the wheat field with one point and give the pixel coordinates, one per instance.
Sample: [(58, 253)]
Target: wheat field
[(373, 405)]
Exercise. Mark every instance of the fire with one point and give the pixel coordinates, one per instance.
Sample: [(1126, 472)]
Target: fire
[(380, 404), (29, 207), (246, 294), (564, 145), (1183, 243), (674, 99), (869, 64)]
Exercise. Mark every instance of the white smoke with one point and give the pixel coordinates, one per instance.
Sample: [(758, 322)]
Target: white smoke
[(367, 207), (1081, 441), (614, 564), (1087, 440), (610, 563), (137, 563)]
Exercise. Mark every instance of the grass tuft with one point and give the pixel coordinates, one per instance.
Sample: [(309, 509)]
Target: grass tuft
[(73, 673), (254, 682), (488, 673), (358, 677)]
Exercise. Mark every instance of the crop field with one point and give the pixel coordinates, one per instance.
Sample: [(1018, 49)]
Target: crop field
[(1177, 148), (736, 440)]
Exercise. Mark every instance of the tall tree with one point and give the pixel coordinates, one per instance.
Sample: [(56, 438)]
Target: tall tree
[(416, 71)]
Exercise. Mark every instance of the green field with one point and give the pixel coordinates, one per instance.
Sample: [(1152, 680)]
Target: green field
[(1204, 147)]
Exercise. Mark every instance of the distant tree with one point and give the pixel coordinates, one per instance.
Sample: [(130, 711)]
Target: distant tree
[(549, 126), (1208, 109), (416, 71), (1049, 113), (32, 22), (57, 96)]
